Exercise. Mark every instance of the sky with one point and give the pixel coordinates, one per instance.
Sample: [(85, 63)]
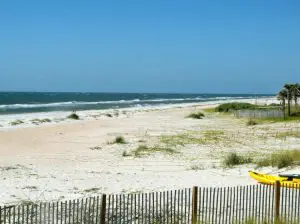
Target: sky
[(149, 46)]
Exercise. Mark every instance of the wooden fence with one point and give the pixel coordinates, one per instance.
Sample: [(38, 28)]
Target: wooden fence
[(274, 113), (197, 205)]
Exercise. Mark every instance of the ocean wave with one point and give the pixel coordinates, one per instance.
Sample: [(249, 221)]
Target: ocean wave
[(134, 101)]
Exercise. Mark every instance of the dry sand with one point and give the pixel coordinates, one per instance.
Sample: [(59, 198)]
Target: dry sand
[(73, 159)]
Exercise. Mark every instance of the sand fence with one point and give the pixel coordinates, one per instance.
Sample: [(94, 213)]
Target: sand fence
[(264, 203)]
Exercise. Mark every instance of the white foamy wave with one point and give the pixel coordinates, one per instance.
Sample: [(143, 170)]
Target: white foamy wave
[(134, 101)]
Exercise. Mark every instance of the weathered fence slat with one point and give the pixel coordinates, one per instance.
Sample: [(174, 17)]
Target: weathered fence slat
[(194, 205)]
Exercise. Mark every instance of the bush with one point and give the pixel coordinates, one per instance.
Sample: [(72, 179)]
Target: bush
[(233, 159), (198, 115), (295, 114), (120, 140), (280, 159), (125, 154), (16, 122), (73, 116), (251, 122), (226, 107)]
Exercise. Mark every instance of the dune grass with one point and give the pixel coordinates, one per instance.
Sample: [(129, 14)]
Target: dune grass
[(197, 115), (233, 159), (144, 150), (108, 115), (119, 140), (251, 122), (73, 116), (280, 159), (40, 121), (290, 133), (227, 107), (277, 120), (194, 138), (209, 110), (16, 122)]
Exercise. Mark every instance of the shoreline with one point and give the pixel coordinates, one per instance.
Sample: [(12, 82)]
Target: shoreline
[(61, 116)]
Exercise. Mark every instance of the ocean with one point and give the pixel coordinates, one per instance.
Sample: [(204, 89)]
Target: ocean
[(31, 102)]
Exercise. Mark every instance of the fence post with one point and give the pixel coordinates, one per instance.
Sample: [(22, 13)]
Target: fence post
[(103, 209), (194, 204), (277, 199)]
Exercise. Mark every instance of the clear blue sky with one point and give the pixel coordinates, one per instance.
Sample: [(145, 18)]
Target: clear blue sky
[(149, 46)]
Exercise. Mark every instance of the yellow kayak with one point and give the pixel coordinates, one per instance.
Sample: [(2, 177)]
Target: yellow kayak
[(291, 180)]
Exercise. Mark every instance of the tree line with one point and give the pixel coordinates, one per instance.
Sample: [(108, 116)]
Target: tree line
[(288, 94)]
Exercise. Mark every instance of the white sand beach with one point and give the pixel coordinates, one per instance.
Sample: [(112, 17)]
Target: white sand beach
[(73, 159)]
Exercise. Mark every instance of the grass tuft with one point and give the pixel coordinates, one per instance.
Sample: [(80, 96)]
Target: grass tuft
[(16, 122), (125, 153), (251, 122), (120, 140), (233, 159), (291, 133), (196, 167), (73, 116), (280, 159), (198, 115), (143, 150), (194, 138), (40, 121), (108, 115)]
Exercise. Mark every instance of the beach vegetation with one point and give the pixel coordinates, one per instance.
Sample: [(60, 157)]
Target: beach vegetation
[(26, 203), (280, 159), (144, 150), (233, 159), (287, 94), (30, 187), (74, 116), (251, 122), (197, 115), (125, 153), (96, 148), (228, 107), (120, 140), (194, 138), (286, 134), (108, 115), (7, 168), (209, 110), (16, 122), (196, 167), (277, 120), (92, 190), (40, 121)]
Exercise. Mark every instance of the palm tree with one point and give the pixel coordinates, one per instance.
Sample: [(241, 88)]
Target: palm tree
[(290, 89), (282, 96), (296, 94)]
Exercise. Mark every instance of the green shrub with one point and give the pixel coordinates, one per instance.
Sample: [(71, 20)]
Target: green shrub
[(125, 153), (73, 116), (280, 159), (16, 122), (251, 122), (142, 150), (226, 107), (198, 115), (120, 140), (233, 159)]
